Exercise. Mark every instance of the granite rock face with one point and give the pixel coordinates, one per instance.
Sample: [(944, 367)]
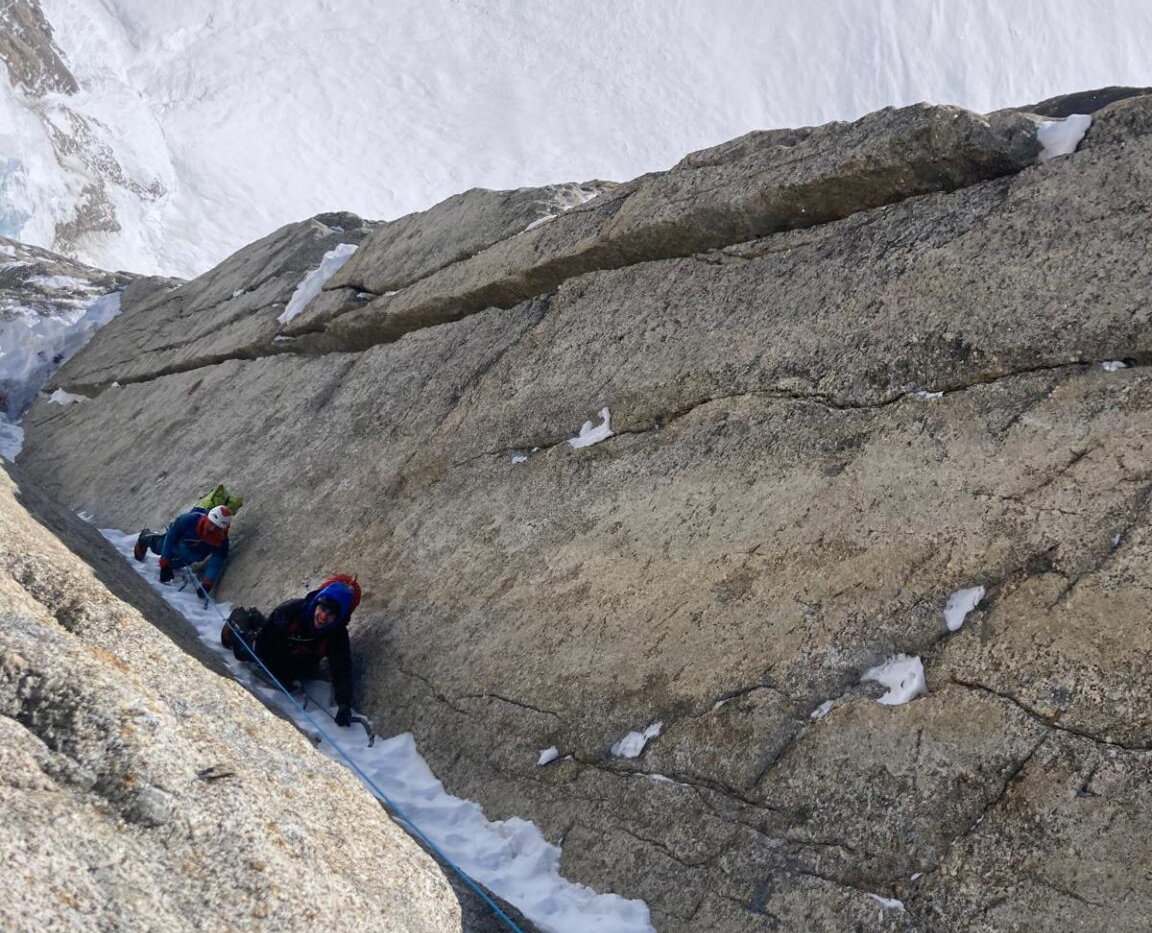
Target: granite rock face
[(822, 430), (756, 185), (404, 251), (228, 312), (143, 789)]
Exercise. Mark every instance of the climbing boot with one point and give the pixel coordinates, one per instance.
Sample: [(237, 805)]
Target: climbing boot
[(140, 548)]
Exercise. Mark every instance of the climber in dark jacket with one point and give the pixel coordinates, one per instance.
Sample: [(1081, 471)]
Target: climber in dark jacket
[(301, 632), (196, 536)]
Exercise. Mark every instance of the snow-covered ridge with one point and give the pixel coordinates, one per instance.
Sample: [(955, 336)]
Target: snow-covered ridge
[(49, 308)]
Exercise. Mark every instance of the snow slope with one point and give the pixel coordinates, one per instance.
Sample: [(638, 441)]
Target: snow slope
[(252, 115)]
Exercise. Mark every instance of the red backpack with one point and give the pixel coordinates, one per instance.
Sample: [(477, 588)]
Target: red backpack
[(351, 581)]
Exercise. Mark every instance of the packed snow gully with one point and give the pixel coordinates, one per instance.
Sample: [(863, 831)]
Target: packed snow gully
[(277, 658)]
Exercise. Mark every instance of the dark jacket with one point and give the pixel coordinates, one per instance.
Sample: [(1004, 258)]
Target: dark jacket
[(184, 545), (292, 648)]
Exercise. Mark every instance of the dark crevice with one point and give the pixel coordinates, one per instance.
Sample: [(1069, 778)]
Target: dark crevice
[(827, 401), (1009, 781), (1065, 892), (509, 701), (1143, 500), (1048, 480), (723, 698), (755, 904), (831, 879), (433, 690), (695, 782), (1047, 721), (665, 850)]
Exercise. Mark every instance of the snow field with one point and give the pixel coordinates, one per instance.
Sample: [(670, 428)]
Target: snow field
[(510, 857), (412, 101)]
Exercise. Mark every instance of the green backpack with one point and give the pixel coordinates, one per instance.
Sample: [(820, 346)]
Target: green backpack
[(220, 496)]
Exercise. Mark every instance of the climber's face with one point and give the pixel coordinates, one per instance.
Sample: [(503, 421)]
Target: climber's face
[(323, 616)]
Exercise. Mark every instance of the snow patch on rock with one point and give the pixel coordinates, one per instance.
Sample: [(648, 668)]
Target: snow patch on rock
[(1061, 137), (593, 434), (960, 604), (633, 743), (312, 284), (903, 675)]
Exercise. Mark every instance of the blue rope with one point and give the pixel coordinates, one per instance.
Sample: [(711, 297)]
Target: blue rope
[(464, 876)]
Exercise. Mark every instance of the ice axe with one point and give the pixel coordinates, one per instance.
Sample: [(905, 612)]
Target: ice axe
[(356, 717)]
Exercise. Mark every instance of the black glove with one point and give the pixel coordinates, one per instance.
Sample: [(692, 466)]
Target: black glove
[(166, 571), (344, 716)]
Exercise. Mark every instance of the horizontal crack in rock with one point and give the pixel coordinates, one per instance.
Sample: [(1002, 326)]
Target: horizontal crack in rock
[(1046, 721), (827, 401), (508, 700)]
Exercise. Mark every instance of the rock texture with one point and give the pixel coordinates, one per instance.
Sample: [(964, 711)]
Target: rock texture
[(759, 184), (820, 434), (228, 312), (404, 251), (142, 791), (29, 53)]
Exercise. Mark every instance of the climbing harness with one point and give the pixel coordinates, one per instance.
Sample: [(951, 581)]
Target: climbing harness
[(356, 769)]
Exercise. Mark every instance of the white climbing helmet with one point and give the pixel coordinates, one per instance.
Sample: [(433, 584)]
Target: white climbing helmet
[(221, 517)]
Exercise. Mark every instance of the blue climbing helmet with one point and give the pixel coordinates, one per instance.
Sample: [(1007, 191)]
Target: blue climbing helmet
[(340, 595)]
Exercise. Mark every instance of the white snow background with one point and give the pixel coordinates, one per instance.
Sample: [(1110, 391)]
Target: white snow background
[(252, 115), (510, 857)]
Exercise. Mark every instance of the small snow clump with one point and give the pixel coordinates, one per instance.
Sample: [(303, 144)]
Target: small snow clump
[(590, 434), (903, 675), (633, 743), (960, 604), (1061, 137)]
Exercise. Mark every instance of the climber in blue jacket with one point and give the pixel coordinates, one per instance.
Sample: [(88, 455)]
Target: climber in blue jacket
[(194, 537)]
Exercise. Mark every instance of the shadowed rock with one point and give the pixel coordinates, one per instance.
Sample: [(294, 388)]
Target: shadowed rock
[(43, 299)]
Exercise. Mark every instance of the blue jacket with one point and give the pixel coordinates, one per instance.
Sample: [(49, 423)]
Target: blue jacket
[(183, 546)]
